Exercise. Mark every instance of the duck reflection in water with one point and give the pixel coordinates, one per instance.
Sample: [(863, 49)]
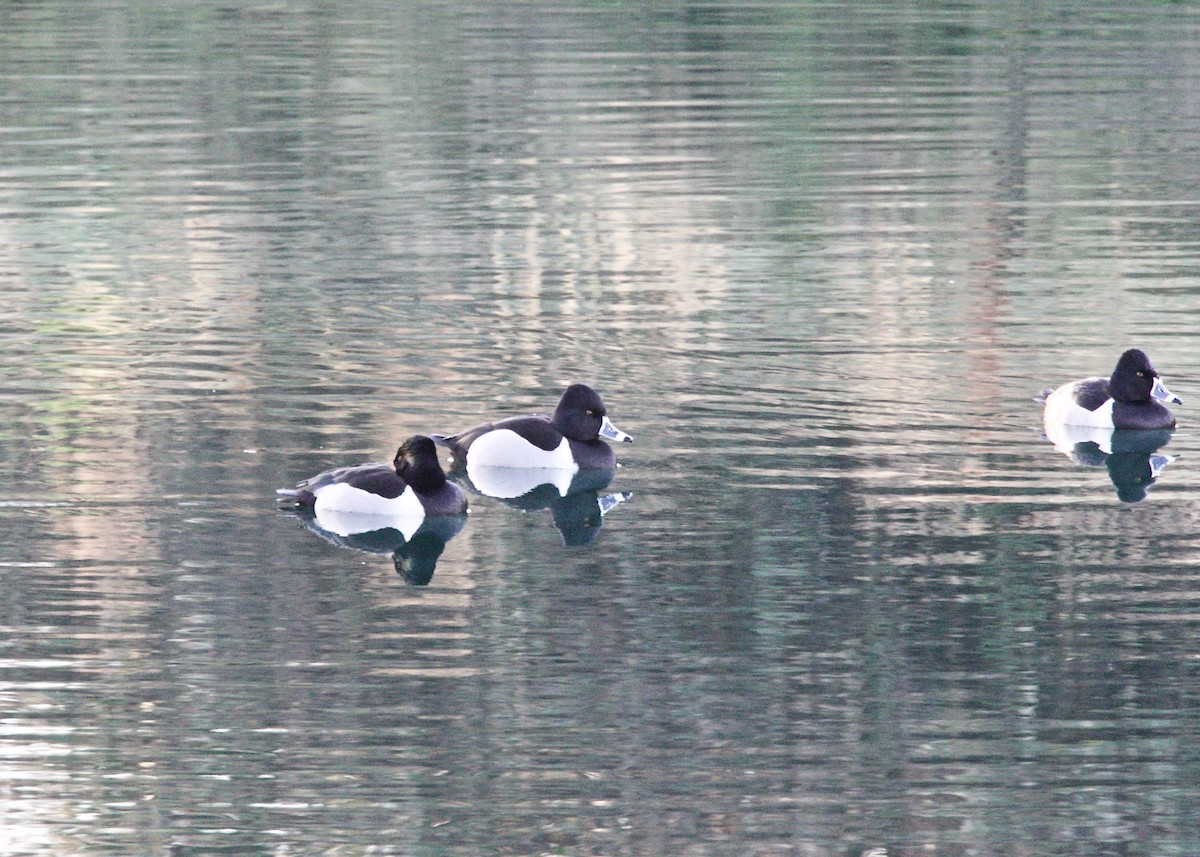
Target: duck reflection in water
[(572, 496), (1131, 456), (414, 554)]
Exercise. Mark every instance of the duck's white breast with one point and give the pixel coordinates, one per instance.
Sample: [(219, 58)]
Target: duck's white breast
[(506, 448), (1061, 409)]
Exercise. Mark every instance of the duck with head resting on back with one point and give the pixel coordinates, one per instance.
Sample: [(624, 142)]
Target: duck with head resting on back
[(413, 485)]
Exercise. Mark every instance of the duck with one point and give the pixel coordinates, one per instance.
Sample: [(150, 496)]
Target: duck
[(570, 440), (411, 487), (1129, 399)]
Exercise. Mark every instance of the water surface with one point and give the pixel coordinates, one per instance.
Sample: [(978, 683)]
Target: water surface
[(817, 258)]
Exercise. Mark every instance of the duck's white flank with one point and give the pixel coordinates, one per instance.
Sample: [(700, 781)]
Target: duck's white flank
[(1062, 410), (340, 497), (506, 448)]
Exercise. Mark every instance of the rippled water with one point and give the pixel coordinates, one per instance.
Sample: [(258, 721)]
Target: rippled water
[(845, 597)]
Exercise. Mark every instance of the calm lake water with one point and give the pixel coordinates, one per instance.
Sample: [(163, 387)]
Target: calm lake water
[(818, 258)]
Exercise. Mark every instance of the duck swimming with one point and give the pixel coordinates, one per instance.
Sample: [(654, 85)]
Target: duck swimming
[(570, 440), (412, 486), (1130, 398)]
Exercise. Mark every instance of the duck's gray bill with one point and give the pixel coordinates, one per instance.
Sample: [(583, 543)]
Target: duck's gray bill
[(611, 432), (1161, 393)]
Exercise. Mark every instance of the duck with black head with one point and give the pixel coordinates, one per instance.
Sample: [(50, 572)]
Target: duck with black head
[(573, 439), (411, 487), (1130, 398)]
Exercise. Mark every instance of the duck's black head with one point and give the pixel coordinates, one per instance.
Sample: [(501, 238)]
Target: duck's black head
[(581, 416), (417, 464), (1134, 379), (580, 413)]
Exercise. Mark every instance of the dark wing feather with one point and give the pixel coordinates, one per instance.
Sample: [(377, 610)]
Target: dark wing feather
[(383, 481), (1091, 393), (380, 479)]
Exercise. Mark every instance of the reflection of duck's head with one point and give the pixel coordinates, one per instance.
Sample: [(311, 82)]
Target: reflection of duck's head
[(1134, 474), (416, 560), (579, 517)]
